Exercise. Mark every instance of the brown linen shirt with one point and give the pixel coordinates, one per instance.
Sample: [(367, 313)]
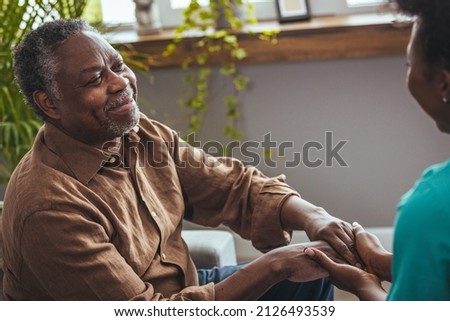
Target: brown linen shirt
[(82, 223)]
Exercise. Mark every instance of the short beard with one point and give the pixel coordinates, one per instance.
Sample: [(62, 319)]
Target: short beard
[(117, 129)]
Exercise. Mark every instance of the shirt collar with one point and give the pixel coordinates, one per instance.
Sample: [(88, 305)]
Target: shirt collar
[(83, 160)]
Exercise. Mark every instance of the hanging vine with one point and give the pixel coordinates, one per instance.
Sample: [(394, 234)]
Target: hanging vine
[(216, 27)]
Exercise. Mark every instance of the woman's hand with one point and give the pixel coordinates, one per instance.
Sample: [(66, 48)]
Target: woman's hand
[(375, 257), (364, 285)]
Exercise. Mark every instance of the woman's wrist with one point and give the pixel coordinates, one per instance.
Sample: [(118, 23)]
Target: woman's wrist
[(368, 288), (380, 265), (384, 268), (374, 292)]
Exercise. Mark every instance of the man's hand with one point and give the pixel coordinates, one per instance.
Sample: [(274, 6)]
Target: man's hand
[(319, 225), (297, 266)]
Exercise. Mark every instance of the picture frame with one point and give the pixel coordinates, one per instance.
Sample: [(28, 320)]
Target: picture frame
[(293, 10)]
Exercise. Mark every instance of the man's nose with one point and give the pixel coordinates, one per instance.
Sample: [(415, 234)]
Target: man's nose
[(117, 82)]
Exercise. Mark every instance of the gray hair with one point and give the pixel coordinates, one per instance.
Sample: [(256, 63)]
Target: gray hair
[(35, 64)]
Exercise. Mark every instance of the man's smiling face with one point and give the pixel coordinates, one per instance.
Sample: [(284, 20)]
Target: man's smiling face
[(97, 91)]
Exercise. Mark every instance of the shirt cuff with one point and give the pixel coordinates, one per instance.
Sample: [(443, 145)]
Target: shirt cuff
[(196, 293), (268, 232)]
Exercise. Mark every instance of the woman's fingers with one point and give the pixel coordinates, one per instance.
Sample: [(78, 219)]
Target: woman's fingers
[(357, 228), (320, 257)]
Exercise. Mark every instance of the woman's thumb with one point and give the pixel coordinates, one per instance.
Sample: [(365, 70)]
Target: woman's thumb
[(319, 257), (357, 228)]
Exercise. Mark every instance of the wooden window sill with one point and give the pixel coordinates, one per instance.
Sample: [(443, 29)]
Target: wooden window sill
[(320, 38)]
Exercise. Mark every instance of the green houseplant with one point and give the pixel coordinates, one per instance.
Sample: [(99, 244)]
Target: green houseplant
[(218, 25), (18, 123)]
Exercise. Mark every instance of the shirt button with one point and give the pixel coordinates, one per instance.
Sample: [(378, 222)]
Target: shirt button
[(153, 213), (163, 256), (112, 159)]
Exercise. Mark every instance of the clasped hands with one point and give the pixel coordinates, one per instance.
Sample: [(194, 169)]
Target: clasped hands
[(364, 279)]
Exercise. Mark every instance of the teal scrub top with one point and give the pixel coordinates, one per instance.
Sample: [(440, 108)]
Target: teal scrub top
[(421, 261)]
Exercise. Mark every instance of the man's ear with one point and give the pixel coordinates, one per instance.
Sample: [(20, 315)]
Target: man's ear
[(444, 84), (46, 104)]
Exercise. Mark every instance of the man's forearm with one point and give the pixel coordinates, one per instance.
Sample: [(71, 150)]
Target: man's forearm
[(251, 281), (297, 212)]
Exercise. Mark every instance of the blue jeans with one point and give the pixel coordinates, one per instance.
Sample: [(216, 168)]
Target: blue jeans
[(318, 290)]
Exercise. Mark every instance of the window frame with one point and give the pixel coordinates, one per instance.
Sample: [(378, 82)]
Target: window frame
[(265, 10)]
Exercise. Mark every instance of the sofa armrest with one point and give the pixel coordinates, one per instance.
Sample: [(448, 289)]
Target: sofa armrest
[(210, 248)]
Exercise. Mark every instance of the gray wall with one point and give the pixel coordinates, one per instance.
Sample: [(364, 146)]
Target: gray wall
[(362, 101)]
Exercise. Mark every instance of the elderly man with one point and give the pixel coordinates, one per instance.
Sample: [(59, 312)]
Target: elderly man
[(94, 211)]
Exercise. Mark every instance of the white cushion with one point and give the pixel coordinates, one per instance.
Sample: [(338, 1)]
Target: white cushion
[(209, 248)]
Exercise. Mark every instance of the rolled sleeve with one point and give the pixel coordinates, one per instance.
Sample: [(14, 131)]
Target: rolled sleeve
[(267, 232)]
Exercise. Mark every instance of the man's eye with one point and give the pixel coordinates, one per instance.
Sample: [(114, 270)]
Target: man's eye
[(94, 81), (120, 66)]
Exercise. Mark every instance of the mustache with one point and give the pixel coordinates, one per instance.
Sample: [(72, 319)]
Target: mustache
[(122, 98)]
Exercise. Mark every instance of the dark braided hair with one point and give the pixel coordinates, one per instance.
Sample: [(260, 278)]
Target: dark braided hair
[(35, 64), (434, 31)]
